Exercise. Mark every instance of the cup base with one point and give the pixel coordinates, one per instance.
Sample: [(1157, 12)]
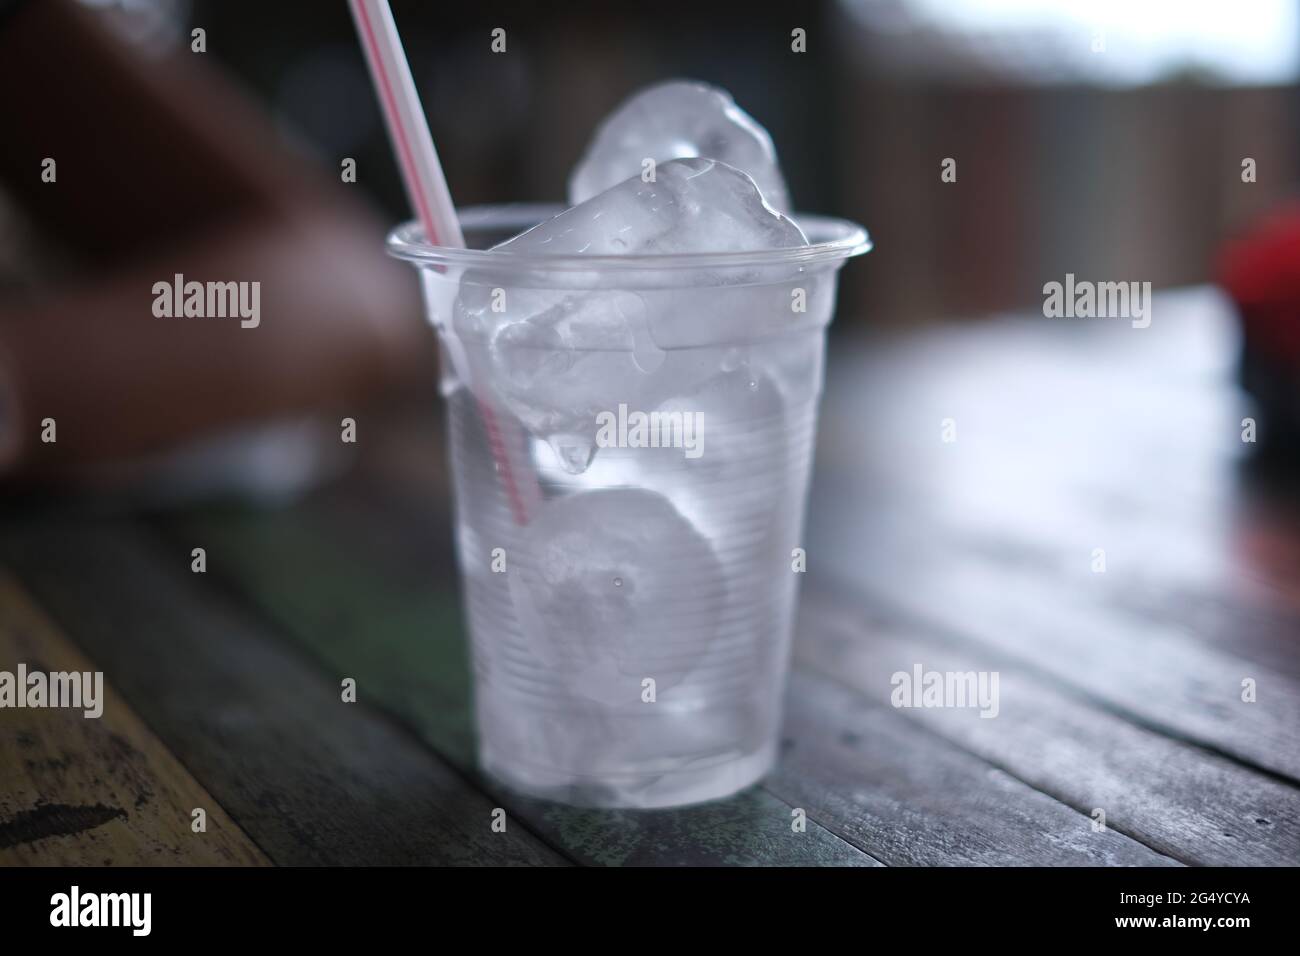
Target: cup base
[(635, 791)]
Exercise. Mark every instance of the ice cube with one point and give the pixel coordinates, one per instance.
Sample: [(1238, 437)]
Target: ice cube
[(677, 120), (743, 463), (614, 587), (693, 205), (559, 358)]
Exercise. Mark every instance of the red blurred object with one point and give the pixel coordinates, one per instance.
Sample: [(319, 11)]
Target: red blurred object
[(1261, 272)]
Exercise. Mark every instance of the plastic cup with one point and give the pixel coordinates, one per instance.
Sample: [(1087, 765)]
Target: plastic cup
[(631, 579)]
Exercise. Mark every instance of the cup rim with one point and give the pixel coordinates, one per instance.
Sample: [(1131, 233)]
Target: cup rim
[(830, 239)]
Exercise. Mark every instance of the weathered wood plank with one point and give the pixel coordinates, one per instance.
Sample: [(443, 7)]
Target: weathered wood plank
[(1151, 672), (911, 798), (995, 534), (79, 791), (1177, 798), (313, 780), (397, 629)]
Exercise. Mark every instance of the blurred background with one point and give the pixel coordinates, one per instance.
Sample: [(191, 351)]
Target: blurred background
[(1100, 138), (1104, 139)]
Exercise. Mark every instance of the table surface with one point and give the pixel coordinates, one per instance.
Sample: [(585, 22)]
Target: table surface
[(1120, 690)]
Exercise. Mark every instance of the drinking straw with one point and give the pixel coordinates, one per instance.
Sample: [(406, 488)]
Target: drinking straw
[(426, 186), (421, 171)]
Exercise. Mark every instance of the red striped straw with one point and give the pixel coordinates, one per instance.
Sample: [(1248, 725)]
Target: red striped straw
[(427, 188)]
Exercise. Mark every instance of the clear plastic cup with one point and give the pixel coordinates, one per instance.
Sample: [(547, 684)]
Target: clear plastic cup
[(630, 581)]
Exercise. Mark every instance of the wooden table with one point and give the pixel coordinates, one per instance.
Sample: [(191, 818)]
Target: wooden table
[(1120, 690)]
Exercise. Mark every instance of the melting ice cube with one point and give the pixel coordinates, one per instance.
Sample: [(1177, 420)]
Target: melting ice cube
[(678, 120), (614, 587), (558, 358)]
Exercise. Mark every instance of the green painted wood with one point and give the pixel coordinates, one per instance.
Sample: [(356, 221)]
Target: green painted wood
[(313, 780), (394, 624), (388, 615)]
